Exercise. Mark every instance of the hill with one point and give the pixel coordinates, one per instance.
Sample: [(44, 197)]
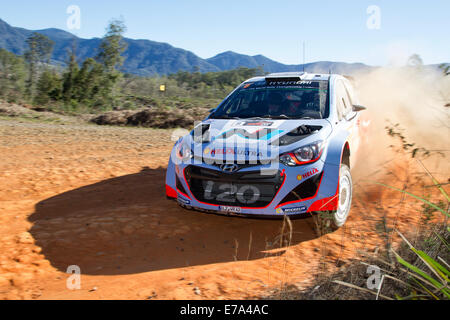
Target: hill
[(146, 57)]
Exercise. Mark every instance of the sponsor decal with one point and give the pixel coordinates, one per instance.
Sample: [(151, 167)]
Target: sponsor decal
[(183, 200), (262, 134), (255, 123), (307, 174), (293, 83), (239, 152), (230, 209), (222, 151), (292, 210), (247, 85), (207, 150)]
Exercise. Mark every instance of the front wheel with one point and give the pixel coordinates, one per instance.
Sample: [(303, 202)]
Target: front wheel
[(345, 197), (329, 221)]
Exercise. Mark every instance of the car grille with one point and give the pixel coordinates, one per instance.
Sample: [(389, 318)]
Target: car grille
[(242, 189)]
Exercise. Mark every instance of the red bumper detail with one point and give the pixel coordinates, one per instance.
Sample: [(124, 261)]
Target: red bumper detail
[(326, 204), (170, 192)]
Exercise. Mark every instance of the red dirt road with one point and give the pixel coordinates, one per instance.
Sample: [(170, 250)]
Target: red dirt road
[(94, 197)]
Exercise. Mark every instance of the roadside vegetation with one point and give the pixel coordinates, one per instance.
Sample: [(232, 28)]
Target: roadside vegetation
[(96, 85), (410, 266), (417, 269)]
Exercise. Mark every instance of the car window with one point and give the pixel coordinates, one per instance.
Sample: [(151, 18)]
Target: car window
[(339, 100), (280, 99), (344, 105), (348, 98), (351, 93)]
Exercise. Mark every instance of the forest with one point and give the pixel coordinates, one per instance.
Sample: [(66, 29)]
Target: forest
[(98, 84)]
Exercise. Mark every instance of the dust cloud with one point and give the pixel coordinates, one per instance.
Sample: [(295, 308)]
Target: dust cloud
[(415, 99)]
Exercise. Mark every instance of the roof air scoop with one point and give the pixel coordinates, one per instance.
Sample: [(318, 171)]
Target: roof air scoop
[(285, 76)]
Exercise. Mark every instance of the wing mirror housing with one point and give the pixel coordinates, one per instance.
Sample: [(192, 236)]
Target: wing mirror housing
[(357, 108)]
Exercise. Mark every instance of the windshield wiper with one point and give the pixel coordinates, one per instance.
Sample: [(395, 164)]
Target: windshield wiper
[(257, 118), (281, 116), (226, 117)]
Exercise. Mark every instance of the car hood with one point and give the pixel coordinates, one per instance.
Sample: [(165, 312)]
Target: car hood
[(252, 139)]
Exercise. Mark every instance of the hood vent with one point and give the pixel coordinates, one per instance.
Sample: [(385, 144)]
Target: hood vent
[(201, 133), (296, 135)]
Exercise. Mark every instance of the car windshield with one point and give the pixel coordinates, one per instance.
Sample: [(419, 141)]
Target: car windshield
[(276, 100)]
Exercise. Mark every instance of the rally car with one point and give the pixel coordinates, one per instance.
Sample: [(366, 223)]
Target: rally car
[(282, 144)]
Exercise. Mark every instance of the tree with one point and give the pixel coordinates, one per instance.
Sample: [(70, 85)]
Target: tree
[(12, 76), (110, 57), (88, 81), (70, 76), (48, 88), (39, 52), (112, 46), (415, 60)]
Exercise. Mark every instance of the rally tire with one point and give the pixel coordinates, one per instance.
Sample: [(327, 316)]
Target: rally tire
[(345, 195)]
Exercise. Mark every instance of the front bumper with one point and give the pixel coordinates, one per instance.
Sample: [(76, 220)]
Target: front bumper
[(281, 191)]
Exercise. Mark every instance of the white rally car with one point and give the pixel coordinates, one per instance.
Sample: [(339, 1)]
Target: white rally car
[(278, 145)]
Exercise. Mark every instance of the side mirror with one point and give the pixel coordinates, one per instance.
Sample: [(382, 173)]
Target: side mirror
[(357, 108)]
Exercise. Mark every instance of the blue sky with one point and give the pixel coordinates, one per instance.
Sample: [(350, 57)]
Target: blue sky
[(333, 30)]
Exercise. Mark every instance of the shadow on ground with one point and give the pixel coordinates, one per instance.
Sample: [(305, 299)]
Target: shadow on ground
[(126, 225)]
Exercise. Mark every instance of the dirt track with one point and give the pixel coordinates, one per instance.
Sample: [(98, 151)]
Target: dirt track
[(94, 197)]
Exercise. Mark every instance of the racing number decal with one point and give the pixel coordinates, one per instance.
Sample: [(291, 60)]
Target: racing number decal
[(254, 191), (208, 190), (232, 193), (227, 196)]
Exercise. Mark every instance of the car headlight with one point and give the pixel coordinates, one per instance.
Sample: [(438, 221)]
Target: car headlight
[(304, 155), (184, 153)]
